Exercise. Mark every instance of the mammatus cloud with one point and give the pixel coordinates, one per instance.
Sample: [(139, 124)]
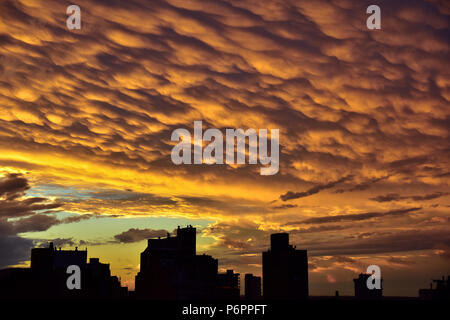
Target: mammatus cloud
[(93, 110), (110, 94)]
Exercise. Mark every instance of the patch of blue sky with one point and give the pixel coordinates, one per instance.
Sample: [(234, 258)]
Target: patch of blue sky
[(58, 191), (105, 228), (74, 194)]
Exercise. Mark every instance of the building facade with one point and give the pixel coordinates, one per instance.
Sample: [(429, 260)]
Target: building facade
[(252, 287), (171, 269), (285, 270)]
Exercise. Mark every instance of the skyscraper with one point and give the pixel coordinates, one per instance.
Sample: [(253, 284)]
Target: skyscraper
[(361, 289), (228, 285), (285, 270), (252, 287), (170, 269), (47, 277)]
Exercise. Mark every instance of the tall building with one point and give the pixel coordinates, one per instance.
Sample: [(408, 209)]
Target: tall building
[(170, 269), (252, 287), (228, 286), (100, 283), (49, 266), (285, 270), (47, 259), (361, 289), (47, 276)]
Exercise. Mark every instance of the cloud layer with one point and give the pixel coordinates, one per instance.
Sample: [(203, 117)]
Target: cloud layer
[(363, 118)]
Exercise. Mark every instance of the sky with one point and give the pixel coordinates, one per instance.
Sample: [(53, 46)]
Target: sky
[(86, 118)]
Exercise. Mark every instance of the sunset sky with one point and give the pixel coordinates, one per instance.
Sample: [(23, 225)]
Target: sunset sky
[(86, 118)]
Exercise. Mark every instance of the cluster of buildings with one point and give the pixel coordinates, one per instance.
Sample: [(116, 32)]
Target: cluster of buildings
[(170, 269), (47, 277), (441, 290)]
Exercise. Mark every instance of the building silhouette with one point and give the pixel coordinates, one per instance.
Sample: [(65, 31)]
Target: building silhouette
[(170, 269), (285, 270), (362, 291), (228, 286), (48, 268), (100, 283), (252, 287), (16, 283), (440, 291), (47, 277)]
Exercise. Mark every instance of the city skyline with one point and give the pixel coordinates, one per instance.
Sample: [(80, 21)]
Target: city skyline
[(87, 117), (171, 270), (169, 260)]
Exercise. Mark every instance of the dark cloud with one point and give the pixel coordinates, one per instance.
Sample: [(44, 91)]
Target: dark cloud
[(14, 250), (78, 218), (429, 196), (362, 186), (314, 229), (349, 218), (13, 186), (19, 214), (57, 242), (285, 206), (396, 197), (136, 234), (358, 216), (24, 207), (295, 195), (13, 204), (387, 198), (37, 222), (399, 241), (227, 205)]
